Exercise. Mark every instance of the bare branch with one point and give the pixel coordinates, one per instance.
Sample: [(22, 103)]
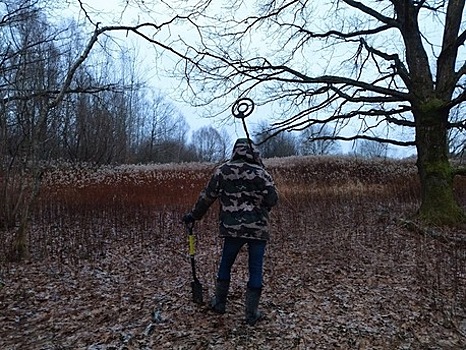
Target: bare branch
[(325, 79), (86, 14), (459, 125), (457, 100), (461, 40), (70, 74), (370, 11), (78, 90), (339, 34), (370, 138), (399, 66), (294, 123), (450, 44)]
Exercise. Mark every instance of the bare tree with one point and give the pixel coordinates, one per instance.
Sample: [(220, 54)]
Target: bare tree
[(163, 131), (209, 144), (281, 145), (371, 149), (317, 140), (28, 65)]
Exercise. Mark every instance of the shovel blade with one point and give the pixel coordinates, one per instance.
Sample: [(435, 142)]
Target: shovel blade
[(196, 288)]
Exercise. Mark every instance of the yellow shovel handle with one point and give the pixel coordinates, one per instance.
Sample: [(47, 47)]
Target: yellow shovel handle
[(192, 244)]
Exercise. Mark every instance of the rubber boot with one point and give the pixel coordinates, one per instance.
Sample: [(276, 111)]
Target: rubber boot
[(252, 303), (219, 301)]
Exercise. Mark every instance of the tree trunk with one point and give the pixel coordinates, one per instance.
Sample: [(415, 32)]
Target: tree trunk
[(438, 204), (20, 249)]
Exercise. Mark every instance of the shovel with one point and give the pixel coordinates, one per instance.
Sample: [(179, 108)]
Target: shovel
[(196, 286)]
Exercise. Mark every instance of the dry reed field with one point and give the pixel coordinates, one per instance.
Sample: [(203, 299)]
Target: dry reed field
[(109, 266)]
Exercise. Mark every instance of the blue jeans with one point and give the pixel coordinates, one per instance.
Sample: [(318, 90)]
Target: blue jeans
[(256, 250)]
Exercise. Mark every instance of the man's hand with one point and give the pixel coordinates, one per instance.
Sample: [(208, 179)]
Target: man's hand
[(188, 218)]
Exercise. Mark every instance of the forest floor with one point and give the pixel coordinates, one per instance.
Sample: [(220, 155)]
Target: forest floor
[(326, 290)]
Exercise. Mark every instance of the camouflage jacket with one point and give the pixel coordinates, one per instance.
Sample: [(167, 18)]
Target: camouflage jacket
[(246, 193)]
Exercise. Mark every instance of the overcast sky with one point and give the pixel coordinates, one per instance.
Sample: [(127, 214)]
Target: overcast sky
[(112, 12)]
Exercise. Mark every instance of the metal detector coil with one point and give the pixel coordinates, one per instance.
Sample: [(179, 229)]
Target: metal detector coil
[(241, 109)]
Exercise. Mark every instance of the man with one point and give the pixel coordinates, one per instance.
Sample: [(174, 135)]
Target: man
[(246, 193)]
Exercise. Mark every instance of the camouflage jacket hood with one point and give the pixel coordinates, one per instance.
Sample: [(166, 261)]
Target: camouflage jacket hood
[(246, 193), (245, 150)]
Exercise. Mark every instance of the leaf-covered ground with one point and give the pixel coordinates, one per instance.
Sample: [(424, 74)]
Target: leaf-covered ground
[(351, 276), (325, 289)]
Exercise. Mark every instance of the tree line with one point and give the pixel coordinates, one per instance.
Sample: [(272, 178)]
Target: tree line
[(108, 114)]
